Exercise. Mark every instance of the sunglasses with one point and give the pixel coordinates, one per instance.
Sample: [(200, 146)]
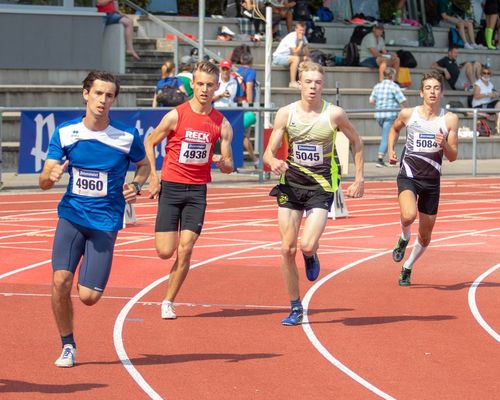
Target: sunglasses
[(486, 73)]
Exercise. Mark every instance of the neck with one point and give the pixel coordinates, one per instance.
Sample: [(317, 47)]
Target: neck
[(311, 105), (95, 123), (430, 110), (199, 108)]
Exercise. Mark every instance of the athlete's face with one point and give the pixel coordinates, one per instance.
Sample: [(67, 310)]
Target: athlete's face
[(431, 91), (100, 97), (204, 85), (311, 84)]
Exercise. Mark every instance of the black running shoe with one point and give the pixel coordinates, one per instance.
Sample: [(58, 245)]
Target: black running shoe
[(399, 251), (404, 277)]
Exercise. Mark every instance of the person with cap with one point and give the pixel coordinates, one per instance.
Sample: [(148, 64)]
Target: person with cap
[(228, 86), (186, 74), (373, 54)]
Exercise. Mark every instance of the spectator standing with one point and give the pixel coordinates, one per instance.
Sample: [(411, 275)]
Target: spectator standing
[(373, 54), (225, 95), (491, 9), (448, 19), (186, 74), (114, 16), (167, 79), (459, 77), (386, 95), (291, 50), (485, 96)]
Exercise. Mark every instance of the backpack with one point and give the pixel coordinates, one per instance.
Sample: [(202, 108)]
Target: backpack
[(301, 11), (425, 36), (324, 14), (315, 34), (454, 39), (170, 96), (319, 57), (406, 59), (483, 128), (359, 33), (350, 54)]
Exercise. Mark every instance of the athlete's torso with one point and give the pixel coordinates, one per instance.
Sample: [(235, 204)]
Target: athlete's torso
[(190, 146), (311, 158), (422, 156)]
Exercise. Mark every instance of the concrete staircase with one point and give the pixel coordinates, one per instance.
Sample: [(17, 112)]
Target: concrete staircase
[(39, 88)]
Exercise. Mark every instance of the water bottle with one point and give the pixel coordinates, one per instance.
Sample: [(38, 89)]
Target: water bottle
[(397, 17), (488, 62)]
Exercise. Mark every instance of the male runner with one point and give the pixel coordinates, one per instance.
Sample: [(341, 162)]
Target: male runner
[(97, 153), (192, 129), (309, 176), (430, 133)]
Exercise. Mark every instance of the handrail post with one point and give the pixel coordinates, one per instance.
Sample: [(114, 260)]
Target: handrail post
[(474, 142), (1, 145)]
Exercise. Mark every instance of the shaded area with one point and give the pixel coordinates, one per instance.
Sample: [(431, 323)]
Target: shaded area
[(158, 359), (252, 312), (360, 321), (9, 386), (455, 286)]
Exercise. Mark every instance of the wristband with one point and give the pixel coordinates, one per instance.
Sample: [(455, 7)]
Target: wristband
[(137, 187)]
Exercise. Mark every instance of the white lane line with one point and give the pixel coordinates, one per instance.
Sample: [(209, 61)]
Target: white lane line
[(27, 233), (122, 316), (473, 306), (322, 349)]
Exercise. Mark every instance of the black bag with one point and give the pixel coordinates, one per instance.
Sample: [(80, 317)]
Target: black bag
[(315, 34), (319, 57), (351, 54), (406, 59), (359, 33), (170, 96), (425, 36), (301, 11)]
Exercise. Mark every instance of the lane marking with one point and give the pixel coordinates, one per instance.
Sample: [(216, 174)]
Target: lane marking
[(317, 343), (473, 306)]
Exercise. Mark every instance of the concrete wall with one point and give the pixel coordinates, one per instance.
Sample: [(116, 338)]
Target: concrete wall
[(53, 39)]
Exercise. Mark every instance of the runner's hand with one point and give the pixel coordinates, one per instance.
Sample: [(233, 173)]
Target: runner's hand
[(278, 166), (154, 188), (57, 171), (357, 189), (129, 193)]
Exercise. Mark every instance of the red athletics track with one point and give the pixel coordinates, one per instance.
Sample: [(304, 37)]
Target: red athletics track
[(365, 337)]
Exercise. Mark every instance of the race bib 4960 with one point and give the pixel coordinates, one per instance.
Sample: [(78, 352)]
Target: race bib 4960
[(87, 182)]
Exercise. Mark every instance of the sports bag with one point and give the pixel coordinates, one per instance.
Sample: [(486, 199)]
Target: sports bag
[(454, 39), (350, 54), (406, 59), (324, 14)]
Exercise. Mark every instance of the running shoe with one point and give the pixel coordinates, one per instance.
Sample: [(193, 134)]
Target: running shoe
[(399, 251), (312, 267), (295, 317), (168, 310), (67, 359), (404, 277)]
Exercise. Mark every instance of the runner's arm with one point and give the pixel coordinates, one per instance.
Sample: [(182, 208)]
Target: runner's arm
[(52, 172), (398, 124), (277, 166), (225, 161)]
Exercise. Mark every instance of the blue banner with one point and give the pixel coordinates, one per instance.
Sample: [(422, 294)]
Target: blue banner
[(37, 128)]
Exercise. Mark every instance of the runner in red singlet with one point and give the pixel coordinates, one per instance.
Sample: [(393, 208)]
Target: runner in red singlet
[(191, 130)]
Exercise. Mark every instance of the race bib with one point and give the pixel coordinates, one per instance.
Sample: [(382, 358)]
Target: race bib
[(87, 182), (194, 153), (426, 143), (308, 154)]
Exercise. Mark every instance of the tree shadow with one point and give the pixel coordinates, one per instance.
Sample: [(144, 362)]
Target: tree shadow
[(455, 286), (16, 386), (360, 321), (159, 359), (252, 312)]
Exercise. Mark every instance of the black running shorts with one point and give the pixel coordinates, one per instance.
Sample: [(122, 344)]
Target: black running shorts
[(181, 206), (426, 191), (301, 199)]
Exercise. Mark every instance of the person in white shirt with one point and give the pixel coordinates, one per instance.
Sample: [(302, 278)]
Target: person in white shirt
[(291, 50), (485, 96), (225, 94)]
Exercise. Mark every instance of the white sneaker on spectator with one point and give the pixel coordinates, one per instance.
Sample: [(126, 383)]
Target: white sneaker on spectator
[(168, 310), (468, 46), (67, 359)]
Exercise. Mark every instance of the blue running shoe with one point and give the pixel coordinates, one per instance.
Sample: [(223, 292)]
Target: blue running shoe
[(312, 267), (295, 317)]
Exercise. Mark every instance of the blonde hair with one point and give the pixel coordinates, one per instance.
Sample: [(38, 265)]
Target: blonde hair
[(307, 66), (167, 69), (207, 67)]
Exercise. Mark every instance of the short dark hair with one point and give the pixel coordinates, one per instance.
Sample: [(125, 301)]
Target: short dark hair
[(246, 59), (434, 74), (102, 76)]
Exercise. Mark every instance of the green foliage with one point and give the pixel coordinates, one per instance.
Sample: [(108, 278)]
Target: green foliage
[(128, 10)]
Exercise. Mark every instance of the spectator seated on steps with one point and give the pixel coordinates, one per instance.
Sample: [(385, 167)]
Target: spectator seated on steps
[(373, 54), (448, 18), (458, 76), (484, 95)]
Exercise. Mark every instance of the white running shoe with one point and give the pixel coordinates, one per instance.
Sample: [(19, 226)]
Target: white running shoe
[(468, 46), (67, 359), (168, 310)]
